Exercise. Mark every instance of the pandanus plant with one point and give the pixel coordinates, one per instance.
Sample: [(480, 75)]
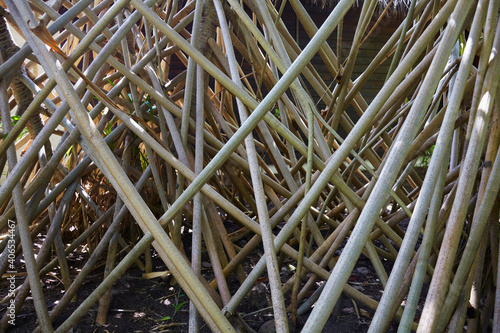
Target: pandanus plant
[(180, 121)]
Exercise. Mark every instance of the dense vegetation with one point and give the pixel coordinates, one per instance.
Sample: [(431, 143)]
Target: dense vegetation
[(188, 131)]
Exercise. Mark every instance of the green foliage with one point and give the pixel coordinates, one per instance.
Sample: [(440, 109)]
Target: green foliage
[(177, 306), (107, 130), (68, 152), (276, 113), (425, 159), (15, 119), (151, 107), (144, 161), (461, 44)]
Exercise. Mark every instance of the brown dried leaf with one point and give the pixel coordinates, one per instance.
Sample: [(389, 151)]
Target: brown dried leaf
[(41, 31)]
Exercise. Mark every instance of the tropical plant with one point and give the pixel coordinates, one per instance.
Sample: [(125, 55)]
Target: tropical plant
[(176, 114)]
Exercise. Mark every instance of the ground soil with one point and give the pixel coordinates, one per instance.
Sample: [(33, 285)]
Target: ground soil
[(160, 305)]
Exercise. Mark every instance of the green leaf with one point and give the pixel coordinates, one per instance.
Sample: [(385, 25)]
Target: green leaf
[(110, 82), (276, 112), (68, 152), (178, 306)]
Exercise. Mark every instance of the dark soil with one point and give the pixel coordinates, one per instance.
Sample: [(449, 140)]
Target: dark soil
[(160, 305)]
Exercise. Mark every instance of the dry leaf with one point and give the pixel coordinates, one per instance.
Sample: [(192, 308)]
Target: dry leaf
[(364, 313), (154, 275)]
